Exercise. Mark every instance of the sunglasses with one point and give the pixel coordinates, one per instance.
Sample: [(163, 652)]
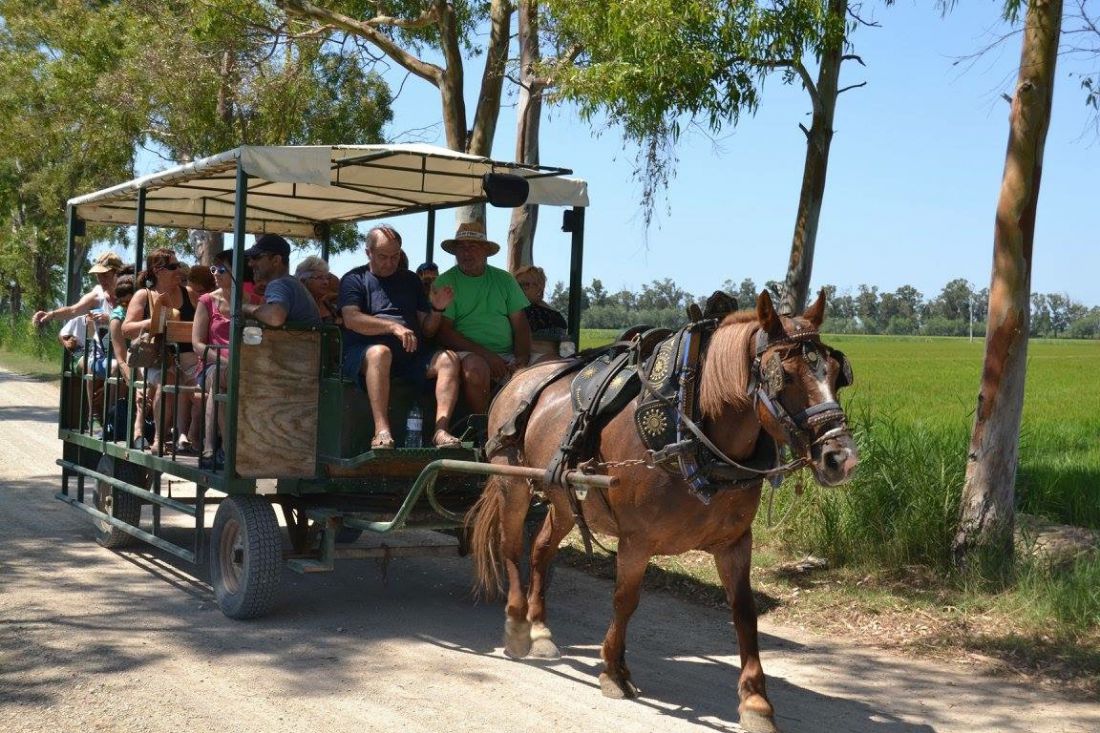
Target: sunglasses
[(218, 270), (169, 266), (523, 284)]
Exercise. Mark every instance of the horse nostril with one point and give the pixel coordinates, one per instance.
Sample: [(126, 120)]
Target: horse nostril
[(834, 459)]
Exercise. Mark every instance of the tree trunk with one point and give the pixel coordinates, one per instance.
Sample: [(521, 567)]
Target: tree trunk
[(986, 517), (521, 230), (818, 140)]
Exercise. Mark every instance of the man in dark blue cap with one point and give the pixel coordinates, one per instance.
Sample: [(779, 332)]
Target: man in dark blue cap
[(427, 273), (286, 300)]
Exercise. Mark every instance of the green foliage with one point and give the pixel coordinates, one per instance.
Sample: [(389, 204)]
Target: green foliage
[(913, 403), (18, 335), (83, 84)]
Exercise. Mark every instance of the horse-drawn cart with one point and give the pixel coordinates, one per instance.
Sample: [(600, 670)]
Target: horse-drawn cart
[(297, 433)]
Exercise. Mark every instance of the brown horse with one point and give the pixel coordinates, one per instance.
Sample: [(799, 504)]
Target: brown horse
[(652, 511)]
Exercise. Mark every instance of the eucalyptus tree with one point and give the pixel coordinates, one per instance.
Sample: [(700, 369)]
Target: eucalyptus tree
[(986, 516)]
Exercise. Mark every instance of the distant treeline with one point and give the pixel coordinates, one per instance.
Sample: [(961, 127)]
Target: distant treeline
[(953, 312)]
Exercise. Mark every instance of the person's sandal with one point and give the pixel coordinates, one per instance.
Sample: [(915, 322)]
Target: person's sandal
[(443, 439), (382, 441)]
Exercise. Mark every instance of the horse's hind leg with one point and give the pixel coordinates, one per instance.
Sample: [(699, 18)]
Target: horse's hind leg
[(513, 513), (733, 562), (557, 524), (629, 571)]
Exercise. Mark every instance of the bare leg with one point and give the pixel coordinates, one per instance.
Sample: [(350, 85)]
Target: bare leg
[(630, 569), (733, 562), (475, 383), (376, 366), (446, 370)]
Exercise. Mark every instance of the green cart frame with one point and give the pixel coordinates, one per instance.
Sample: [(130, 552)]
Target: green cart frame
[(296, 434)]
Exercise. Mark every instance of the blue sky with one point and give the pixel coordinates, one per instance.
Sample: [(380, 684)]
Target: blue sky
[(914, 175)]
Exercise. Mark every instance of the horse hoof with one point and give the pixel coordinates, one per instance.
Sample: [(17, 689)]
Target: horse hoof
[(617, 689), (517, 639), (754, 722), (544, 649)]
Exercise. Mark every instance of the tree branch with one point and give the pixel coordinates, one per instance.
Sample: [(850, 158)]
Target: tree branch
[(850, 86), (368, 30), (807, 80), (853, 57)]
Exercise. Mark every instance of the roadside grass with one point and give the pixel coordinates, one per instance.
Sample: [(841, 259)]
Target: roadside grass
[(25, 349)]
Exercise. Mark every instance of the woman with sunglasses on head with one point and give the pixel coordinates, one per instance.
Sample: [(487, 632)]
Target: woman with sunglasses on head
[(161, 282)]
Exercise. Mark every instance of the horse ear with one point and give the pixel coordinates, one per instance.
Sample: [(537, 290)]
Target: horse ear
[(765, 313), (815, 314)]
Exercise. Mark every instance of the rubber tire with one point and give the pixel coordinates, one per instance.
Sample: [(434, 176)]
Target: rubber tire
[(246, 557), (121, 505)]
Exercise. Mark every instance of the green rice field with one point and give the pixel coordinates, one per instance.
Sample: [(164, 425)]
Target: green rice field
[(925, 389)]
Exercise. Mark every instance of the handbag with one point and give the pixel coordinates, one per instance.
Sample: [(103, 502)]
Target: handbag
[(142, 353)]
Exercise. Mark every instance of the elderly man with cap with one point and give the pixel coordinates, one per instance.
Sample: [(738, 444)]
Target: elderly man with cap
[(485, 321), (286, 300), (99, 300), (388, 320)]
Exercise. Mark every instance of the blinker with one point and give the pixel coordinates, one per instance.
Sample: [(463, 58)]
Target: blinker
[(845, 377), (773, 375)]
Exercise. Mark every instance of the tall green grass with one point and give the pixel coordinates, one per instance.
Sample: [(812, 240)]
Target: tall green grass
[(18, 335), (912, 412)]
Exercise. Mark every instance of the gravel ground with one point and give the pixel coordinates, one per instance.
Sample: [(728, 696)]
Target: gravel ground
[(93, 640)]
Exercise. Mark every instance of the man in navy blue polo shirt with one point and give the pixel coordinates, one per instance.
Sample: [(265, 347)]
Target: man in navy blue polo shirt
[(388, 320)]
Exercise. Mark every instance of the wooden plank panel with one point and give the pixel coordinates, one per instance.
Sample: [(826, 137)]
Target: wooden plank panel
[(277, 422)]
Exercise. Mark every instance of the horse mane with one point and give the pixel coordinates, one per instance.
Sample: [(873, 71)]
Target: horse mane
[(728, 364)]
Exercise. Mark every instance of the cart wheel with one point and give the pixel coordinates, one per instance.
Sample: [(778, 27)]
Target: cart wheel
[(246, 556), (117, 503)]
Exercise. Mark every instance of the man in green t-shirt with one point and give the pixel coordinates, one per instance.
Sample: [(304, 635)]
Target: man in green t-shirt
[(485, 322)]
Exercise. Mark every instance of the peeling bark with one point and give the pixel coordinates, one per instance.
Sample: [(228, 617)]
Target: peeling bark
[(987, 513), (521, 229), (819, 138)]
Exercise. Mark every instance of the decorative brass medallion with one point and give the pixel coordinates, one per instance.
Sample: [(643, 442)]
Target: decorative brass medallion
[(589, 372), (660, 365), (618, 380), (654, 422)]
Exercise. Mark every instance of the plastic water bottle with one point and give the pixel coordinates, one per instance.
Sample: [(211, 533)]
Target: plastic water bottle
[(414, 426)]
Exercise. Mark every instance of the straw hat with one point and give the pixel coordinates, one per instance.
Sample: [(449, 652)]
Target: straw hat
[(473, 231)]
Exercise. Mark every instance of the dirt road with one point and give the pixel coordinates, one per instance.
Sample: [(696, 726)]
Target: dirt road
[(92, 640)]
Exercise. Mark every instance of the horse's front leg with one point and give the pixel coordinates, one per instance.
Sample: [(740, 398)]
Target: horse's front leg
[(733, 562), (558, 523), (629, 570)]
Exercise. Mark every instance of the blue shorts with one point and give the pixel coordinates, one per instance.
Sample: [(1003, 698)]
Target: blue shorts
[(99, 367), (413, 367)]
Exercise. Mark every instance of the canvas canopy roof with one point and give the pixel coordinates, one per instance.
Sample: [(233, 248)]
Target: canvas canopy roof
[(295, 191)]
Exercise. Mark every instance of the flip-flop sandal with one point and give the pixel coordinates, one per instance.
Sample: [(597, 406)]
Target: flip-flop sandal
[(382, 441), (443, 439)]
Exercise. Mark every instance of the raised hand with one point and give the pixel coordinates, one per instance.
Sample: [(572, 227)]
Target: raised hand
[(442, 297)]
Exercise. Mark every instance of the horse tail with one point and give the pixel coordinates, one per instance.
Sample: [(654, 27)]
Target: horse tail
[(483, 525)]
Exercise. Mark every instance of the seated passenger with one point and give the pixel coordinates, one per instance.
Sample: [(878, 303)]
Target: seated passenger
[(210, 329), (387, 321), (162, 276), (285, 299), (485, 322), (322, 285), (548, 327), (99, 300), (81, 338), (427, 272)]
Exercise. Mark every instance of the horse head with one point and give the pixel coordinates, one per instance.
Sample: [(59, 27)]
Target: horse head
[(794, 382)]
